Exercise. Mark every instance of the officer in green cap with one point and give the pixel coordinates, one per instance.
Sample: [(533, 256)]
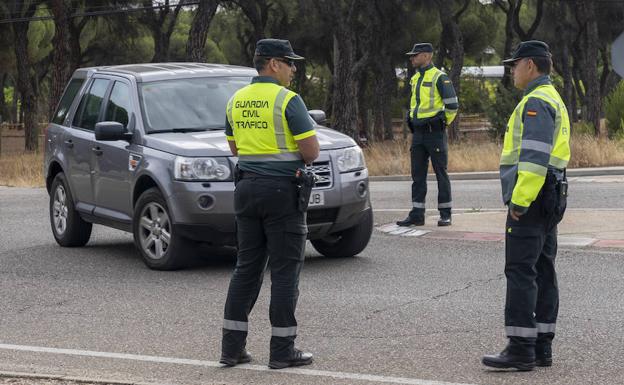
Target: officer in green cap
[(535, 155), (269, 129), (433, 106)]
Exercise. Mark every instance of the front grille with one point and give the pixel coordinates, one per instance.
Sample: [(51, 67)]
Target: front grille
[(323, 172), (315, 216)]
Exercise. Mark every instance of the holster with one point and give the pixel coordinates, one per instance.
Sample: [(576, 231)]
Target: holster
[(554, 199), (305, 181), (237, 174)]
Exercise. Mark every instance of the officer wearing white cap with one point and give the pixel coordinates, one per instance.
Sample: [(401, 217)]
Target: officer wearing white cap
[(269, 129), (536, 151), (433, 106)]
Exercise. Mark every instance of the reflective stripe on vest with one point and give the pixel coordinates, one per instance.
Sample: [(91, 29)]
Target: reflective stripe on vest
[(257, 115), (431, 102)]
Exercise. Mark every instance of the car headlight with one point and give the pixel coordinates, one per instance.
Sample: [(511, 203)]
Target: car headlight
[(200, 169), (350, 159)]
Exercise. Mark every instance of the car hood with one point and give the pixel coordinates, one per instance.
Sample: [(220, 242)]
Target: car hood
[(213, 143)]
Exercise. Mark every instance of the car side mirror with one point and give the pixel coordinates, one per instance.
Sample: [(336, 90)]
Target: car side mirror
[(111, 131), (318, 116)]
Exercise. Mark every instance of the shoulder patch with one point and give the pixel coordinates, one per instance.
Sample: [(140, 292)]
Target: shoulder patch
[(531, 113)]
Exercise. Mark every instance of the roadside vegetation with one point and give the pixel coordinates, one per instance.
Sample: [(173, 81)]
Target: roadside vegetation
[(393, 158), (383, 158)]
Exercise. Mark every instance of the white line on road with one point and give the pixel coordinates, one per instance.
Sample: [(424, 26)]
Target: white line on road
[(184, 361), (479, 210)]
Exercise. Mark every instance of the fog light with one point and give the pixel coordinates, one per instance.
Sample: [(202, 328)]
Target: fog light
[(205, 202), (362, 189)]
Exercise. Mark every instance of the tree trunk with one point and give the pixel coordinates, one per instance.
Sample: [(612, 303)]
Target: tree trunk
[(61, 67), (4, 108), (161, 24), (344, 110), (24, 75), (509, 38), (365, 129), (199, 30), (586, 14), (454, 42)]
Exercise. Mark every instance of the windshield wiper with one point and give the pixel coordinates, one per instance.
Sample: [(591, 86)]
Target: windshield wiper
[(188, 129)]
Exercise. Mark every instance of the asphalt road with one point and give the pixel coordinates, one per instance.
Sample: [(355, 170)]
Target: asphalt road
[(407, 310)]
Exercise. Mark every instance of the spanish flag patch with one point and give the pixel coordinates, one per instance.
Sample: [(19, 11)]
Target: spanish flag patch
[(531, 113)]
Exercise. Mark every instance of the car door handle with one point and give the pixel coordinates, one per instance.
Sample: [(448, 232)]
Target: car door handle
[(69, 143), (97, 150)]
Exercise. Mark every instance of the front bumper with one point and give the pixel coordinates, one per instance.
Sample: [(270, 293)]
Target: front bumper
[(205, 211)]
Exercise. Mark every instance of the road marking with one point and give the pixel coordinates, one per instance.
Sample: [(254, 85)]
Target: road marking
[(480, 210), (214, 364)]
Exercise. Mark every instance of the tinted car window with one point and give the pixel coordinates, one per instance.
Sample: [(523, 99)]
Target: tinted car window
[(91, 104), (188, 103), (66, 101), (118, 108)]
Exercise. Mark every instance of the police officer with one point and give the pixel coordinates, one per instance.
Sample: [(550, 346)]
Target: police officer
[(269, 129), (433, 106), (535, 154)]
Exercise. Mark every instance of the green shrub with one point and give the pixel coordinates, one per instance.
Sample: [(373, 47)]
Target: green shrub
[(614, 110), (583, 128), (473, 95), (501, 108)]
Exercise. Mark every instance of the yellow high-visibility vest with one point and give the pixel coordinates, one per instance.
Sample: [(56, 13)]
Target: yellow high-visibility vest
[(257, 115), (531, 176), (431, 102)]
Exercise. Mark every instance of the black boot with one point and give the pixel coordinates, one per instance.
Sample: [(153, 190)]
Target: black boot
[(543, 354), (243, 358), (411, 221), (298, 358), (444, 221), (507, 360)]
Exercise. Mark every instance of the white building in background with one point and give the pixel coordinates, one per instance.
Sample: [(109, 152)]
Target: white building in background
[(486, 72)]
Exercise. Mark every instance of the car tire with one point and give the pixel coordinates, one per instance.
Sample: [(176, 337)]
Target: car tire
[(349, 242), (68, 228), (155, 234)]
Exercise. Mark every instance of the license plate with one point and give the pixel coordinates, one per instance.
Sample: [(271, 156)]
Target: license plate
[(317, 198)]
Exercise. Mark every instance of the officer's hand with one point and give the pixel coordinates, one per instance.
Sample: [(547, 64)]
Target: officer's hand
[(515, 215), (408, 120)]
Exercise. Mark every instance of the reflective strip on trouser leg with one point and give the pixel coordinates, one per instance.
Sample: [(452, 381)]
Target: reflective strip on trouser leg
[(517, 331), (545, 328), (235, 325), (446, 205), (418, 205), (284, 332)]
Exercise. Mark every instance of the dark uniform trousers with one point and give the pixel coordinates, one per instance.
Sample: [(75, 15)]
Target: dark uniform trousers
[(532, 301), (270, 230), (430, 141)]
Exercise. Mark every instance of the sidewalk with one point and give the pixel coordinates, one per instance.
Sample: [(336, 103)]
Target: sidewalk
[(579, 228), (573, 172)]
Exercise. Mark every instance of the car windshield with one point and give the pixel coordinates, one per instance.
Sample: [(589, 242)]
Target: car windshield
[(188, 104)]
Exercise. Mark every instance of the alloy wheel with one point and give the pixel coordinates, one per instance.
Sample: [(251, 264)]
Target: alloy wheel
[(60, 210), (155, 230)]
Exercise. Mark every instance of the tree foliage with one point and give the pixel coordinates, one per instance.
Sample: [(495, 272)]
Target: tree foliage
[(355, 66)]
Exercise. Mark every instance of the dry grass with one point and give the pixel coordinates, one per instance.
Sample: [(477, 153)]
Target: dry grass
[(392, 157), (385, 158), (22, 170)]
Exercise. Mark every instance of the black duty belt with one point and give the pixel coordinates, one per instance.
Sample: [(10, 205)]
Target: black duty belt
[(432, 125), (253, 175)]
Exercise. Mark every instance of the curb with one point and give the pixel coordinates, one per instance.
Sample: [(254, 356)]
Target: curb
[(60, 377), (481, 175), (570, 241)]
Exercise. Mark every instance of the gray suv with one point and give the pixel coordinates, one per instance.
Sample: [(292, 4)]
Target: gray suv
[(142, 148)]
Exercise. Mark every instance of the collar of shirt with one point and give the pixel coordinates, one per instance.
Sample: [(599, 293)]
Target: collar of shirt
[(264, 79), (533, 84), (424, 69)]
